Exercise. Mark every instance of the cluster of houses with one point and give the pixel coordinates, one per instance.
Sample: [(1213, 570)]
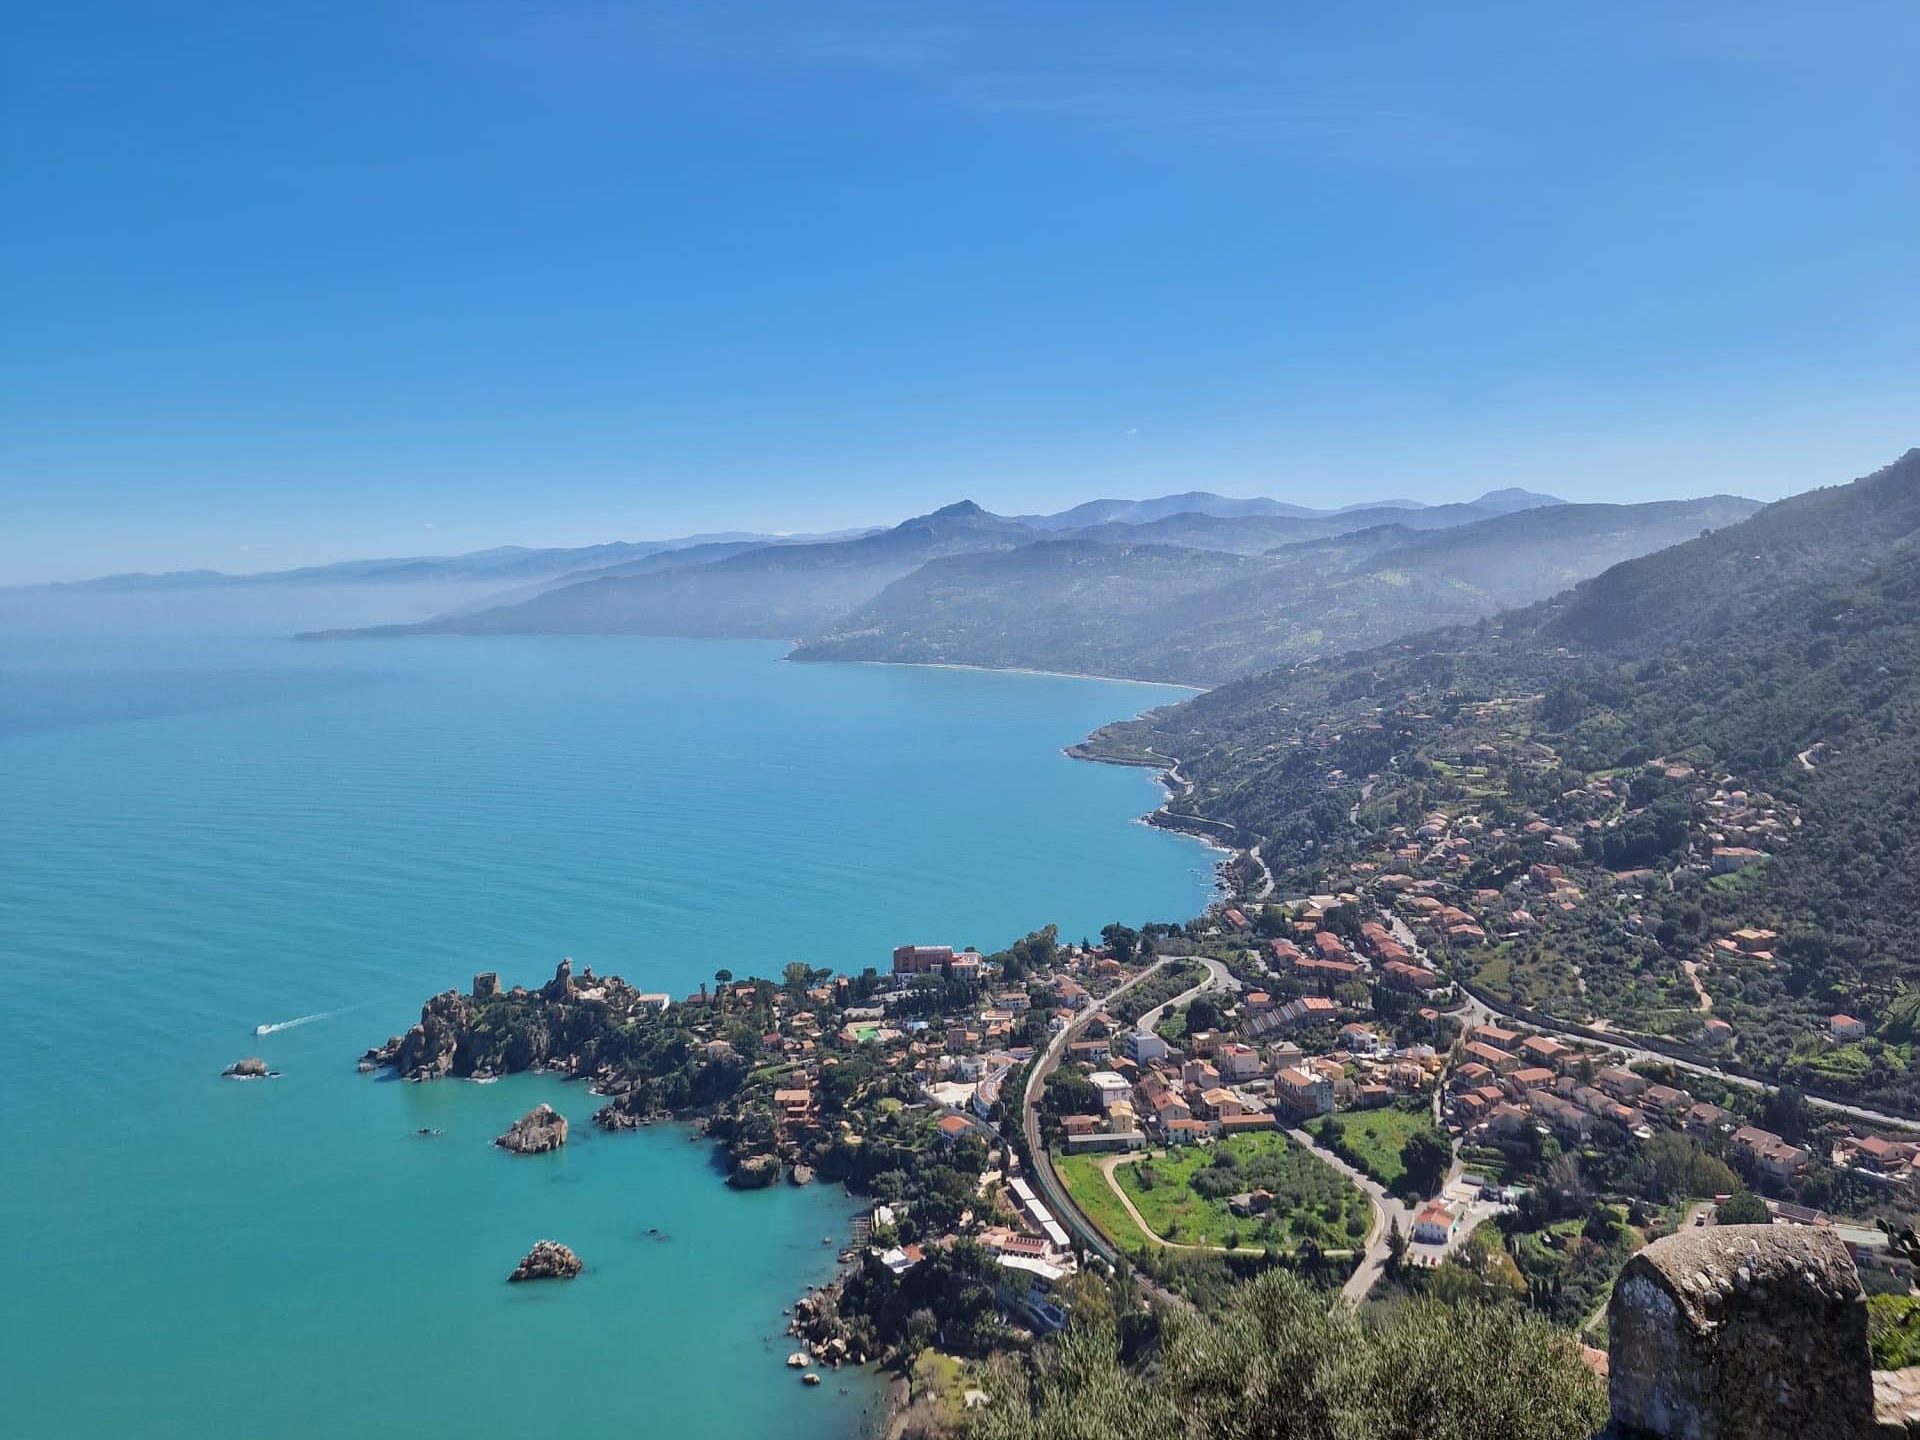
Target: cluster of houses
[(1150, 1091), (1321, 957), (1507, 1082), (1877, 1157)]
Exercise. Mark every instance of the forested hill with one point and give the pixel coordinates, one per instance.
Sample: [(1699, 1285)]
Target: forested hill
[(1639, 724), (1177, 613)]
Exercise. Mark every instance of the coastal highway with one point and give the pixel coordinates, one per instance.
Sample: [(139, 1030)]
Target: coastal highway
[(1480, 1011)]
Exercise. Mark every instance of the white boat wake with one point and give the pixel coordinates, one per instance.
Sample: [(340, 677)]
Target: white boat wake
[(289, 1024)]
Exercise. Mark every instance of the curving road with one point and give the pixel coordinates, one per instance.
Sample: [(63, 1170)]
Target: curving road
[(1218, 978)]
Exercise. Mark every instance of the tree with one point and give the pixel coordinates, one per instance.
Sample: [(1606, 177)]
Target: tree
[(1122, 940), (1396, 1247), (1285, 1363), (1677, 1165), (1426, 1158), (1203, 1013), (1743, 1207)]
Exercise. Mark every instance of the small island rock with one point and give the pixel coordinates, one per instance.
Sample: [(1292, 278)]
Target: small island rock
[(251, 1068), (547, 1260), (753, 1172), (539, 1130)]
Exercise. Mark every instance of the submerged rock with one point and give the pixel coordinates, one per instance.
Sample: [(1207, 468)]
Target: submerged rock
[(251, 1068), (539, 1130), (547, 1260)]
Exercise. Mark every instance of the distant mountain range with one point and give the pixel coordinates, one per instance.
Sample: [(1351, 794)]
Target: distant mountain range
[(809, 589), (511, 564), (1143, 589), (505, 564), (1200, 616), (1193, 587)]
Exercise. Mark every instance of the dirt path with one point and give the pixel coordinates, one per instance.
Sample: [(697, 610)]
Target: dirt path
[(1112, 1163)]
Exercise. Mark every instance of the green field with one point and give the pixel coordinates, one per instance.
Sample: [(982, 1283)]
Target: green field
[(1081, 1175), (941, 1380), (1183, 1195), (1373, 1139)]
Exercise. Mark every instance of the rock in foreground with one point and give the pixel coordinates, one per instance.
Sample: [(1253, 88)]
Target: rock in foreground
[(251, 1068), (539, 1130), (547, 1260), (1740, 1332)]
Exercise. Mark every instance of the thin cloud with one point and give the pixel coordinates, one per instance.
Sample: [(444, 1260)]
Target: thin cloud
[(1202, 108)]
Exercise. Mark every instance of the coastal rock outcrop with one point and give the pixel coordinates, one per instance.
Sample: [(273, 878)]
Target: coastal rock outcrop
[(251, 1068), (541, 1129), (547, 1260), (429, 1050), (754, 1172)]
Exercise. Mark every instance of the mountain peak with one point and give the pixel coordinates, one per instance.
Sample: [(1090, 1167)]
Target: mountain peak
[(959, 510)]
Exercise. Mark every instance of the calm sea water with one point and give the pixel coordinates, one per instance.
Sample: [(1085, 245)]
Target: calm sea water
[(203, 836)]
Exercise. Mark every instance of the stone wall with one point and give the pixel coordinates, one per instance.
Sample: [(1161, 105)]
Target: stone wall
[(1740, 1332)]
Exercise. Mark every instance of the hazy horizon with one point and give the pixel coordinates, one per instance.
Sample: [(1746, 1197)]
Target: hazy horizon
[(305, 283)]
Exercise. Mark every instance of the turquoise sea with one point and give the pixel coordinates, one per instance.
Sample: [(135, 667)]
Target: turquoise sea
[(205, 832)]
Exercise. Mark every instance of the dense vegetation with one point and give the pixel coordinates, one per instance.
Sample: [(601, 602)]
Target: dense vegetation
[(1287, 1363), (1400, 1147)]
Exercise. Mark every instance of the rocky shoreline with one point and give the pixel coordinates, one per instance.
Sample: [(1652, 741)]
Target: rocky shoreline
[(563, 1028)]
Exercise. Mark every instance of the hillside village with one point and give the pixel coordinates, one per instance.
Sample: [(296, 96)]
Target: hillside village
[(1324, 1083)]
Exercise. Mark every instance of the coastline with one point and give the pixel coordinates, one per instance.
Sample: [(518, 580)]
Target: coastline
[(1193, 827), (1002, 670)]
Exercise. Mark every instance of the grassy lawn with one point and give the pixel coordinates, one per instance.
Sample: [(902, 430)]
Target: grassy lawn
[(1373, 1139), (940, 1380), (1081, 1175), (1183, 1195)]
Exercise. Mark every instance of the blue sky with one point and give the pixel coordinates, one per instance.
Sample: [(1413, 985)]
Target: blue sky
[(288, 282)]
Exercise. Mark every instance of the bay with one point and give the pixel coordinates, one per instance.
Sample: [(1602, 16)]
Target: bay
[(203, 835)]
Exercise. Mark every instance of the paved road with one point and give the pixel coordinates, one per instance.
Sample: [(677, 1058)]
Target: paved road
[(1051, 1189), (1480, 1012), (1386, 1209), (1218, 978)]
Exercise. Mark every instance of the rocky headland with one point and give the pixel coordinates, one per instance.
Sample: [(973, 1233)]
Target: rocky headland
[(586, 1027)]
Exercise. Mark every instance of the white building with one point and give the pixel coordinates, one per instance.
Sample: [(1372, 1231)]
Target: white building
[(1143, 1047), (1111, 1088)]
